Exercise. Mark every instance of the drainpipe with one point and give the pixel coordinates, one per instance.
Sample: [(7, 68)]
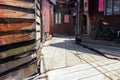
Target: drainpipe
[(77, 36), (78, 17)]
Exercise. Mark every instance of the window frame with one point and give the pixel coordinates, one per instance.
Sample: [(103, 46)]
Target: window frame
[(111, 6), (58, 18)]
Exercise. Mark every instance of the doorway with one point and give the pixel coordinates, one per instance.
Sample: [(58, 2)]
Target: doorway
[(84, 24)]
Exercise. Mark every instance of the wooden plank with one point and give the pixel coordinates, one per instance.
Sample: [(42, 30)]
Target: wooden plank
[(16, 51), (14, 38), (19, 3), (7, 13), (16, 31), (20, 72), (16, 20), (22, 59), (16, 26)]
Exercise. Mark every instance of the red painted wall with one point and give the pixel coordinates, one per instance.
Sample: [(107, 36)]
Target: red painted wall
[(46, 15)]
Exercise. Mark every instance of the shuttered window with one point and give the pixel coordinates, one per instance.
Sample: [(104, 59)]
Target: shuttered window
[(58, 18)]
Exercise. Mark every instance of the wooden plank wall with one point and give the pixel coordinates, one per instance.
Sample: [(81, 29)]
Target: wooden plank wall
[(64, 28), (17, 39)]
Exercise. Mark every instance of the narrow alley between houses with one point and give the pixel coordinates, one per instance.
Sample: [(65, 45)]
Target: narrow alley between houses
[(59, 39), (62, 59)]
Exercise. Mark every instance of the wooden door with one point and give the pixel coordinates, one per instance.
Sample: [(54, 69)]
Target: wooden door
[(62, 26)]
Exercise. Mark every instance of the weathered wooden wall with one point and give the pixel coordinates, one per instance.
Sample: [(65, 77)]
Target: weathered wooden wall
[(18, 39)]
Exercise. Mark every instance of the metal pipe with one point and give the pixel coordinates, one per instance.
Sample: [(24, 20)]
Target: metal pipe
[(77, 36), (78, 18)]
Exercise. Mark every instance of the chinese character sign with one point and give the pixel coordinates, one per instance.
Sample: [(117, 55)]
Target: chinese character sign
[(66, 18), (101, 5)]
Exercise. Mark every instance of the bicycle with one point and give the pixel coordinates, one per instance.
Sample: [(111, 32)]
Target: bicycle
[(107, 32)]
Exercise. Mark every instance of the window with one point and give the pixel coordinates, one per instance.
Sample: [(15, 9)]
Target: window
[(112, 7), (58, 18), (116, 7), (108, 7)]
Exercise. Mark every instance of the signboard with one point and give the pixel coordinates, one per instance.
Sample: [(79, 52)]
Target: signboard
[(101, 6), (66, 18)]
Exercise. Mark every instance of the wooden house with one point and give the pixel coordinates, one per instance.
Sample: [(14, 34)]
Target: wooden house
[(64, 19), (103, 10)]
